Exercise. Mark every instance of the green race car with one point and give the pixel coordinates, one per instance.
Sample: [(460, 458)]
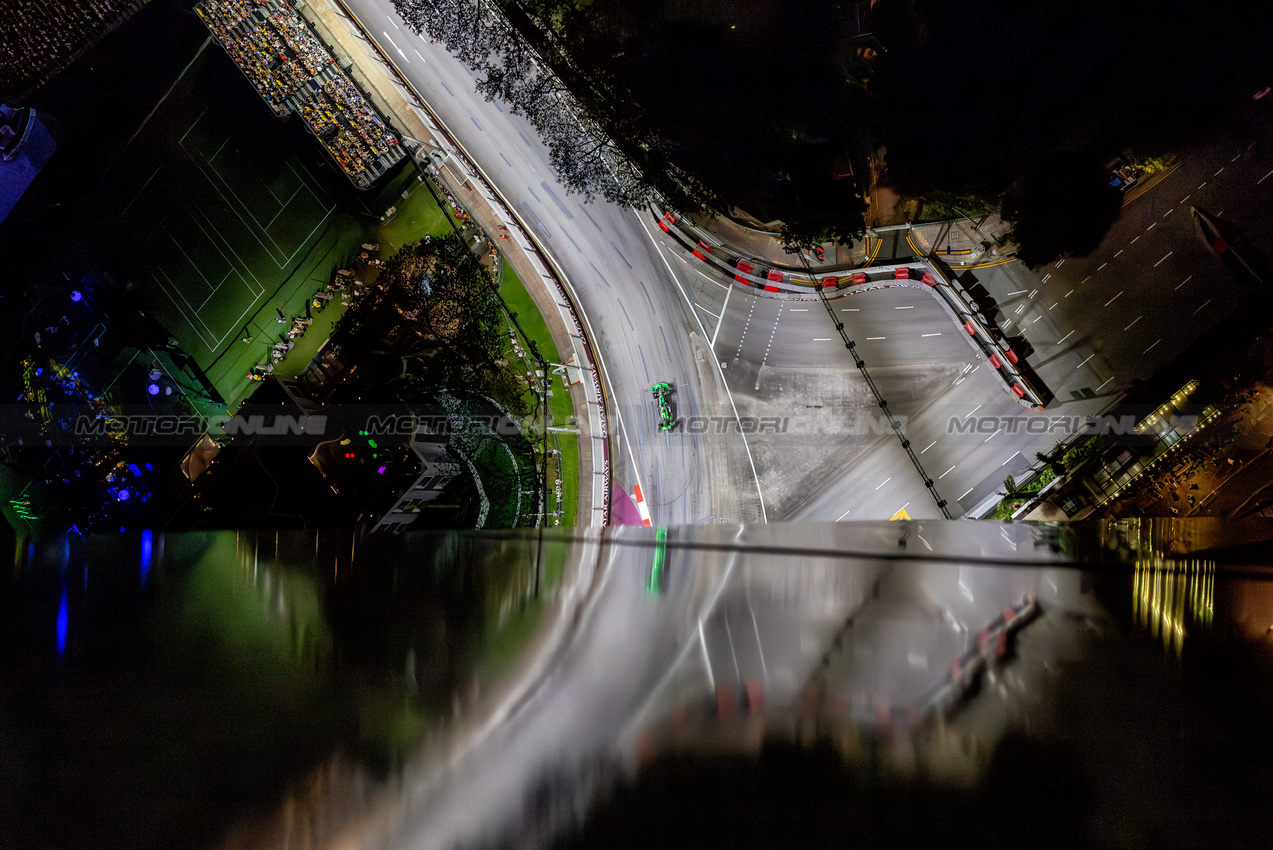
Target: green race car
[(662, 397)]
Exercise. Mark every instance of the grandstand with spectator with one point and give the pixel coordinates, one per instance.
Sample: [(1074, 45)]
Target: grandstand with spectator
[(294, 72), (39, 38)]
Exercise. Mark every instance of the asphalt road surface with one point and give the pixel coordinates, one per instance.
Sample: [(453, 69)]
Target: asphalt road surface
[(735, 616), (645, 330), (1089, 326)]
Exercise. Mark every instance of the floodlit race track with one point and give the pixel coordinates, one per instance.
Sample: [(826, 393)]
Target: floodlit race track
[(659, 314)]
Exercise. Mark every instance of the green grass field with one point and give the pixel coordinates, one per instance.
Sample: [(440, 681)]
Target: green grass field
[(228, 215), (562, 408), (532, 322), (417, 216), (569, 470)]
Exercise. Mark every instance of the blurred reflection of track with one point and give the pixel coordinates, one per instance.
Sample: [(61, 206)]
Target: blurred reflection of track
[(750, 623)]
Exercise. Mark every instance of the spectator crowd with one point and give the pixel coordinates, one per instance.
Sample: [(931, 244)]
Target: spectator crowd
[(295, 72), (40, 37)]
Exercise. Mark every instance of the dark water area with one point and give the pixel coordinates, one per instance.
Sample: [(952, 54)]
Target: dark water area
[(156, 690)]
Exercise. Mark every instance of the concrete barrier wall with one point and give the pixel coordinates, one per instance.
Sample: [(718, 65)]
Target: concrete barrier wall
[(957, 304)]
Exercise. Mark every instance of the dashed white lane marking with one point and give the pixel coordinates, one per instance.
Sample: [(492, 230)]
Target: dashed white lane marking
[(1068, 294), (390, 20), (843, 515), (1169, 211), (1019, 292), (875, 337), (1200, 185), (822, 339), (1134, 321), (1183, 282), (769, 345), (927, 447), (800, 309), (1217, 174), (992, 436), (882, 483), (850, 309), (1085, 280), (1085, 359), (1104, 382), (974, 410), (1045, 277), (1064, 338), (1133, 242), (1186, 197), (936, 334), (912, 307), (947, 472), (1054, 303), (969, 490), (1101, 266), (1204, 304), (746, 325), (1115, 298), (1165, 256), (1147, 350), (1151, 227), (1262, 179)]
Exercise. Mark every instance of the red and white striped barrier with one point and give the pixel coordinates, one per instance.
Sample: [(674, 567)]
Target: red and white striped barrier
[(642, 507)]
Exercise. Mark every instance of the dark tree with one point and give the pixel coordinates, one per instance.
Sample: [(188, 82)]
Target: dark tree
[(1014, 100), (639, 101), (777, 108), (433, 304), (1062, 208)]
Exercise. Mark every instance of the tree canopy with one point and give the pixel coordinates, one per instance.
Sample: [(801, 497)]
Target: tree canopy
[(433, 303), (704, 106), (1027, 102), (778, 108)]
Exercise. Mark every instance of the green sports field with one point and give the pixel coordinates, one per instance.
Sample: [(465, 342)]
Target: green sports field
[(229, 215)]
